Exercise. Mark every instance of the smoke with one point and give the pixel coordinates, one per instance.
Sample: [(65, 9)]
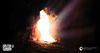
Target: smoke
[(61, 20), (67, 24)]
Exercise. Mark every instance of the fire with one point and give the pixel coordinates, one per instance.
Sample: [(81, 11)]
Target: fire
[(43, 26)]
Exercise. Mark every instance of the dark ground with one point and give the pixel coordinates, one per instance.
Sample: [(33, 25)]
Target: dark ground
[(17, 29)]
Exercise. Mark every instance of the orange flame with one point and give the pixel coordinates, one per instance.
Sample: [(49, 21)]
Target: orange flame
[(43, 26)]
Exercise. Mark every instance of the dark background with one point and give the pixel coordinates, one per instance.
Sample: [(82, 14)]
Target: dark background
[(16, 18)]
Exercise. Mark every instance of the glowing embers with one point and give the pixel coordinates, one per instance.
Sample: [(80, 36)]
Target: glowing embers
[(43, 26)]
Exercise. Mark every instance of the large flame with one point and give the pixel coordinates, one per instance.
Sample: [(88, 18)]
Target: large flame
[(43, 26)]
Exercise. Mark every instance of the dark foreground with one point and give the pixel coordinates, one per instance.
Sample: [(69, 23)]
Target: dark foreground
[(51, 48), (32, 47)]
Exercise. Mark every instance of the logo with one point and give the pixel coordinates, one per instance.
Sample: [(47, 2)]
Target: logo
[(7, 47), (81, 48), (86, 48)]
